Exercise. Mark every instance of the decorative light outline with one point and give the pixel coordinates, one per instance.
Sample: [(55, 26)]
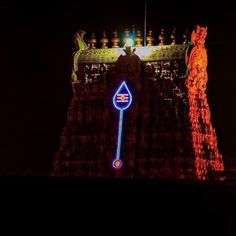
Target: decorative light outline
[(121, 118), (117, 92)]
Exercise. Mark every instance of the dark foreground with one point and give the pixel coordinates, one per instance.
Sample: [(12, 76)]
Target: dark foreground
[(161, 207)]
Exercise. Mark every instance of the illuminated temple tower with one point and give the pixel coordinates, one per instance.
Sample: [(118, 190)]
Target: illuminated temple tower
[(166, 132)]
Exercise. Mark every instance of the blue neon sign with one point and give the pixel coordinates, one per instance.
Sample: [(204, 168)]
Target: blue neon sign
[(122, 101), (122, 98)]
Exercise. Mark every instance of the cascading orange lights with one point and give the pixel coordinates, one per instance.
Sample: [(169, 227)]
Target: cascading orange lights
[(207, 156)]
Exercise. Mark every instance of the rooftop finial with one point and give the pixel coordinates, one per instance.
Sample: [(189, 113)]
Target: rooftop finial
[(127, 35), (173, 37), (186, 36), (162, 37), (150, 38), (139, 39), (115, 40), (104, 40), (93, 40)]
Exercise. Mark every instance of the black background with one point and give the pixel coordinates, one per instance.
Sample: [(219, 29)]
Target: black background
[(36, 46)]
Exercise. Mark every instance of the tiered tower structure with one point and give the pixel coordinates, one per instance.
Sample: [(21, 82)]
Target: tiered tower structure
[(167, 130)]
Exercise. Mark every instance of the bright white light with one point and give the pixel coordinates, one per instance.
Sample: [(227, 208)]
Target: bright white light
[(129, 42), (143, 52)]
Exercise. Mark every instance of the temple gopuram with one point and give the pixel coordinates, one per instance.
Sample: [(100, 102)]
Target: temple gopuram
[(139, 109)]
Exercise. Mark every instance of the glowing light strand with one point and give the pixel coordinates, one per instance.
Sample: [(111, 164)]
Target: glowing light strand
[(121, 100), (117, 162), (203, 134)]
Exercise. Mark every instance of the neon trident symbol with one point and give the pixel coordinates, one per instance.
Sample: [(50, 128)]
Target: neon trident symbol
[(121, 100)]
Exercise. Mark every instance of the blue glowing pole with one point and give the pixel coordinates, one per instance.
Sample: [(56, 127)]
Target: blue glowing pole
[(121, 100), (120, 132), (119, 135)]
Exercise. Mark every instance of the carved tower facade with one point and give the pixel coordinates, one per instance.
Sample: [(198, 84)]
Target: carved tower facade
[(167, 131)]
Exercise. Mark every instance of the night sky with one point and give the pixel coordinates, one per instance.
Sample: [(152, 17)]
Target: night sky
[(36, 56)]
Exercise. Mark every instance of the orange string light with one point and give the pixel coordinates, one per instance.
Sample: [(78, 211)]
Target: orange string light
[(204, 137)]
